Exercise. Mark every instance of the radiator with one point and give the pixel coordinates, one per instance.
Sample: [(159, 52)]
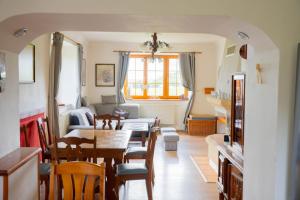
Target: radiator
[(166, 113)]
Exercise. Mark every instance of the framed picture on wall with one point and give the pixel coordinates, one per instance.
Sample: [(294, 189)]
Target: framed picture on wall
[(27, 64), (83, 72), (105, 75)]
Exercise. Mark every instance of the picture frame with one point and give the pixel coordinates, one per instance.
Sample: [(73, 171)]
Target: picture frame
[(27, 65), (104, 75), (83, 72)]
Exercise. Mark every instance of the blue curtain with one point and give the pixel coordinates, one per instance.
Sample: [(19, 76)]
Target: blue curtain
[(187, 68), (123, 68)]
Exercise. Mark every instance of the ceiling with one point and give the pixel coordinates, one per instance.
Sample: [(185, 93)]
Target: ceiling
[(139, 37)]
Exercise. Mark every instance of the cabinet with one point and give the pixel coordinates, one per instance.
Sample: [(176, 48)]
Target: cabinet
[(230, 175)]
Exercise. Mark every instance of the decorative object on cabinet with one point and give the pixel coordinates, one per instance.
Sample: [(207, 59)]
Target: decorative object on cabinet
[(258, 74), (105, 75), (208, 90), (237, 112), (202, 125), (27, 64)]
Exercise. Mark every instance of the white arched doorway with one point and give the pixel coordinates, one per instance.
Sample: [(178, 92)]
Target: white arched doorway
[(261, 130)]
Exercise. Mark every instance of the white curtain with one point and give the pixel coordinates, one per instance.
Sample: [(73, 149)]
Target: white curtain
[(123, 68), (54, 75)]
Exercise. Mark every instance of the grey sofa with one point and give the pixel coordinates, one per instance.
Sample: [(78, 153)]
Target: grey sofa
[(82, 121)]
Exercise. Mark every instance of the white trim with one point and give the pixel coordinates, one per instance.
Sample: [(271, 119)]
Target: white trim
[(213, 165)]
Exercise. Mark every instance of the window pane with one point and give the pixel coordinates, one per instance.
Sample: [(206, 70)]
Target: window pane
[(131, 76), (139, 90), (139, 65), (179, 77), (131, 66), (159, 77), (151, 90), (139, 76), (151, 77), (172, 77), (159, 90), (151, 64), (159, 64), (172, 90), (173, 64)]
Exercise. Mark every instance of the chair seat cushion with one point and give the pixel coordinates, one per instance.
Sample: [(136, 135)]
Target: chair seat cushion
[(136, 151), (44, 168), (131, 168)]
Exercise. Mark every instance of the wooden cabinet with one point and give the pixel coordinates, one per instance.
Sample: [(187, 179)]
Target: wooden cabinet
[(202, 125), (230, 175)]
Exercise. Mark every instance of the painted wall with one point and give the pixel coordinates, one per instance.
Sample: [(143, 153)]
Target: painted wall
[(280, 23), (206, 65), (33, 97), (9, 110)]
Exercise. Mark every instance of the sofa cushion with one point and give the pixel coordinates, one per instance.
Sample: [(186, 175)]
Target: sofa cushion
[(80, 114), (90, 118), (74, 120), (109, 99), (120, 112)]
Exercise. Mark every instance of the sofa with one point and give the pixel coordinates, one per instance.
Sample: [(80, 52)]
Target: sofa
[(79, 119)]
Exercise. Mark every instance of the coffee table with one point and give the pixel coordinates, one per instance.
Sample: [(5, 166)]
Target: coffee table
[(140, 131)]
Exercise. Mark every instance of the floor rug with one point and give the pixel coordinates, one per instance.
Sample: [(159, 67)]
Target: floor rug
[(205, 170)]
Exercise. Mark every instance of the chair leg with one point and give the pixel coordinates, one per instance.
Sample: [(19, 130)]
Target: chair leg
[(47, 189), (153, 176), (117, 187), (149, 187)]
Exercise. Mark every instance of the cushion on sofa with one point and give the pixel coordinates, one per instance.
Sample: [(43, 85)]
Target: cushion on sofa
[(109, 99), (80, 114), (90, 118)]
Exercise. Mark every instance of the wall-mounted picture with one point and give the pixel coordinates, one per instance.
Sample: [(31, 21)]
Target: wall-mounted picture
[(83, 72), (27, 64), (105, 75), (2, 72)]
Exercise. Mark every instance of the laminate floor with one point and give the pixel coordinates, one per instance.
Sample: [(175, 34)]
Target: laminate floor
[(176, 177)]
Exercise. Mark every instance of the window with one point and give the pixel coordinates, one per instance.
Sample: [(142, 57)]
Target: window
[(157, 78), (68, 81)]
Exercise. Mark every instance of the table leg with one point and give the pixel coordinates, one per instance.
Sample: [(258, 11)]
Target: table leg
[(109, 192)]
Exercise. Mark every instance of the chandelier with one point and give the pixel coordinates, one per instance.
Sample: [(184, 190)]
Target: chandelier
[(155, 44)]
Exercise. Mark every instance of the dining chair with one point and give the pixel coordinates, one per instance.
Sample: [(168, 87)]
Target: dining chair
[(23, 129), (138, 171), (72, 150), (107, 119), (45, 138), (78, 179)]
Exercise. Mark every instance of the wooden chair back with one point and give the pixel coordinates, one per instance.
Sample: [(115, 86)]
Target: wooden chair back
[(44, 137), (150, 150), (79, 180), (73, 150), (107, 120)]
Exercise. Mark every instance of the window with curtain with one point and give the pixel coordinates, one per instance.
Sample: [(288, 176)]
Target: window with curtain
[(69, 83), (157, 78)]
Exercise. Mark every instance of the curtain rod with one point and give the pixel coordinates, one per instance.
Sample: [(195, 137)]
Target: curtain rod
[(197, 52)]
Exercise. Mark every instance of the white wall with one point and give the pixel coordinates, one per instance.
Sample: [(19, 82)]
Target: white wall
[(33, 97), (9, 110), (206, 65)]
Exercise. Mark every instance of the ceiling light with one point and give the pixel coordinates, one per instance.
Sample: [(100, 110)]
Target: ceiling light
[(20, 32), (243, 36), (155, 44)]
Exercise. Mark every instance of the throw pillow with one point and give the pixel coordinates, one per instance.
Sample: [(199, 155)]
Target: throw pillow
[(74, 120), (122, 113), (84, 102), (109, 99), (90, 118)]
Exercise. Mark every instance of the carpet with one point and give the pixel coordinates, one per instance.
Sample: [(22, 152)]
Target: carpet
[(205, 170)]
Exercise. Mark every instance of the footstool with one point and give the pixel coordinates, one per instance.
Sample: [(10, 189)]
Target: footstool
[(170, 139), (167, 129)]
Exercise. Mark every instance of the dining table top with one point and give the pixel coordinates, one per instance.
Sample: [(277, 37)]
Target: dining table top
[(105, 139)]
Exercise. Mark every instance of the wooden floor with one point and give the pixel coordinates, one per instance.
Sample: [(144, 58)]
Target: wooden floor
[(176, 177)]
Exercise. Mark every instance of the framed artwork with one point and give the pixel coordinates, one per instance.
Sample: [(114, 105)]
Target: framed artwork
[(105, 75), (27, 64), (2, 72), (83, 72)]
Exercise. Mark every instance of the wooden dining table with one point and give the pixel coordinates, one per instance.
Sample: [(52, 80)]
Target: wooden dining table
[(110, 145)]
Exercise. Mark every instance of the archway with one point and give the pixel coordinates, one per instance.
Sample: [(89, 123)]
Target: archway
[(260, 99)]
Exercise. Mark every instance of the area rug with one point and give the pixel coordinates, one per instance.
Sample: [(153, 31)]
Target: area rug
[(205, 170)]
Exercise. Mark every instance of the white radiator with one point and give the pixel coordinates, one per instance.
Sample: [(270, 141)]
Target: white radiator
[(166, 113)]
